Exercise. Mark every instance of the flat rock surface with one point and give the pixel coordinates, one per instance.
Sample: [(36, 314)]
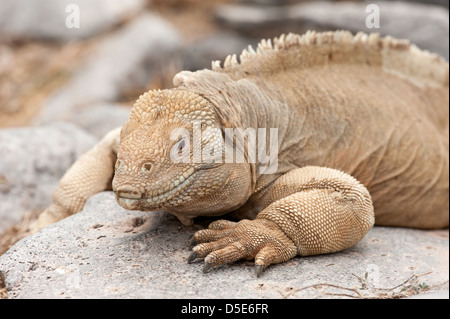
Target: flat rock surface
[(106, 251)]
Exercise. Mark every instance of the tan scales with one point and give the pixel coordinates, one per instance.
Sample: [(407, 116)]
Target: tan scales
[(363, 132)]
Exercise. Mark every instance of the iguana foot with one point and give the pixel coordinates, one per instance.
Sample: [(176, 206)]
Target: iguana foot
[(225, 242)]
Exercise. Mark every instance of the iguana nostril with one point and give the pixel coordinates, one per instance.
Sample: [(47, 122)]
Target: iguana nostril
[(128, 191), (147, 167)]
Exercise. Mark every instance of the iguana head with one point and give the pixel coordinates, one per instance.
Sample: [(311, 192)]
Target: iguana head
[(158, 164)]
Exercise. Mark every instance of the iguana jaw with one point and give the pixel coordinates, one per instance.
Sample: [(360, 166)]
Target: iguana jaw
[(133, 201), (223, 187), (180, 192)]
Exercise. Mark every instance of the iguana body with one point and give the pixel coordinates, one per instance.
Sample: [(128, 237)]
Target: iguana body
[(355, 116)]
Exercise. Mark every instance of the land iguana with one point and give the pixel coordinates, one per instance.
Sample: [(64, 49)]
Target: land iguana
[(363, 138)]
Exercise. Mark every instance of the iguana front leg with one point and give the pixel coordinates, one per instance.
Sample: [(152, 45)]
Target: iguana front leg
[(90, 174), (313, 210)]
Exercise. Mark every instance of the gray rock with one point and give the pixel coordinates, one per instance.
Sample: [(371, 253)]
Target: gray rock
[(269, 2), (99, 119), (443, 3), (124, 60), (32, 162), (217, 47), (425, 25), (46, 19), (255, 21), (106, 251)]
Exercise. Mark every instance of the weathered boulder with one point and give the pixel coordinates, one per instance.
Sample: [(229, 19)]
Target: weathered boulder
[(46, 19), (32, 161), (106, 251), (126, 59)]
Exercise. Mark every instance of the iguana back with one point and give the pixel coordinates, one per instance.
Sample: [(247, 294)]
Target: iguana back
[(375, 108), (363, 126)]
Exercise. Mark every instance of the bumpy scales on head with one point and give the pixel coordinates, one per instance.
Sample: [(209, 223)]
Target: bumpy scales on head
[(155, 167)]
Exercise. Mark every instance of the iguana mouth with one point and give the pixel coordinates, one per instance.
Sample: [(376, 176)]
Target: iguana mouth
[(169, 197)]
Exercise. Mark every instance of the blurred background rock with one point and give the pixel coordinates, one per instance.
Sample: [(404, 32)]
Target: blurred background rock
[(49, 72), (88, 77)]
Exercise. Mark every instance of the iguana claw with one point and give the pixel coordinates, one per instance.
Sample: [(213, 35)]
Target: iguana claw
[(192, 243), (191, 257), (225, 242), (259, 270), (206, 267)]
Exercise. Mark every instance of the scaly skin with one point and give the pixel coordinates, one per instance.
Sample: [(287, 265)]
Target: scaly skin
[(362, 127)]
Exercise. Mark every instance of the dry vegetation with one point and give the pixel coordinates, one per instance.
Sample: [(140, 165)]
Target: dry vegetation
[(410, 287), (3, 294), (28, 76)]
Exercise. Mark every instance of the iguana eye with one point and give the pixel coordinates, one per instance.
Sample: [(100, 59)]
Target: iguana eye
[(180, 147)]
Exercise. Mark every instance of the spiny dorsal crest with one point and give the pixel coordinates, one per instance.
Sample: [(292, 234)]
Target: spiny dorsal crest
[(399, 57), (172, 105)]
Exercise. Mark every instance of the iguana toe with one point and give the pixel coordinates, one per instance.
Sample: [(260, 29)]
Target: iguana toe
[(259, 239), (192, 257)]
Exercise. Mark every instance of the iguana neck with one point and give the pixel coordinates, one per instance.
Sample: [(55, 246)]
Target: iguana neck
[(244, 104)]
